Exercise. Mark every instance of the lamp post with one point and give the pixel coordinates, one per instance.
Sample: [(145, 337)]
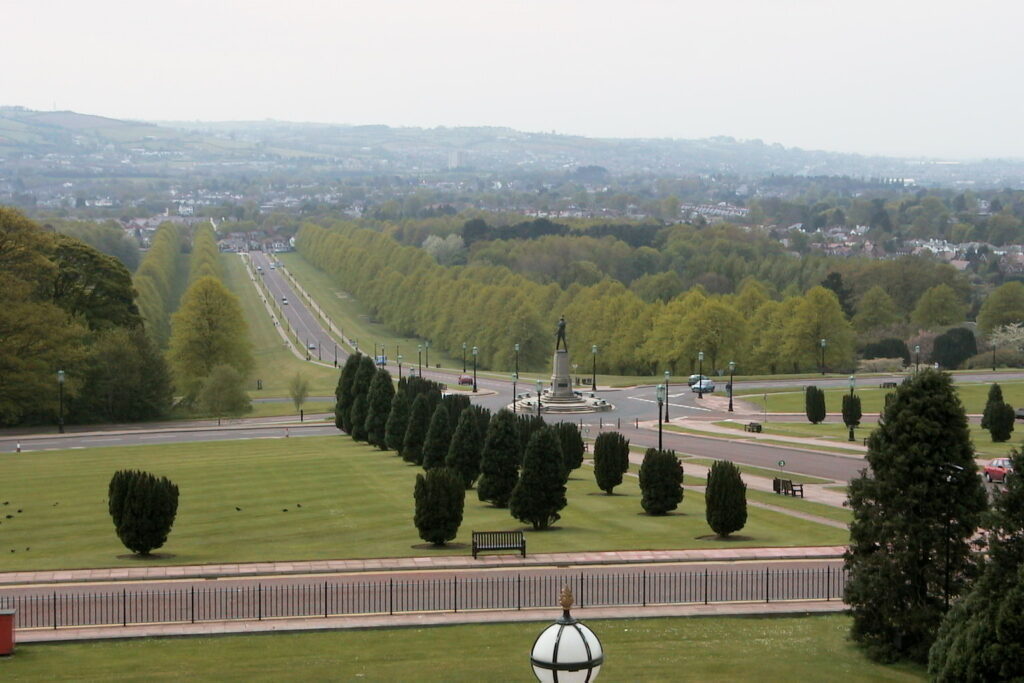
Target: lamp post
[(426, 349), (853, 383), (335, 354), (593, 375), (667, 375), (540, 388), (399, 367), (917, 358), (463, 357), (516, 347), (700, 374), (823, 343), (993, 357), (732, 369), (661, 399), (419, 360), (567, 650), (515, 378), (475, 351), (60, 393)]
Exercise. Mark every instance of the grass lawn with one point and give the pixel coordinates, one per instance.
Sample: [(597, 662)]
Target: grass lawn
[(342, 499), (275, 364), (790, 648), (789, 400), (838, 514)]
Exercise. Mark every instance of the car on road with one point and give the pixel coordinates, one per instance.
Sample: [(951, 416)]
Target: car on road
[(704, 386), (284, 301), (696, 378), (1020, 413), (998, 470), (465, 379), (311, 346)]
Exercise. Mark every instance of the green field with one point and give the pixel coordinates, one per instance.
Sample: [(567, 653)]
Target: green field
[(275, 364), (790, 648), (791, 400), (343, 500)]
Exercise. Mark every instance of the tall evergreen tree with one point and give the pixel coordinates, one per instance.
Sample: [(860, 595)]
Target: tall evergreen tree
[(499, 461), (365, 373), (416, 431), (995, 398), (464, 451), (439, 438), (440, 499), (851, 410), (398, 421), (814, 404), (914, 513), (661, 482), (378, 407), (527, 426), (982, 636), (358, 413), (725, 499), (143, 508), (540, 493), (611, 460), (455, 404), (343, 395), (572, 445)]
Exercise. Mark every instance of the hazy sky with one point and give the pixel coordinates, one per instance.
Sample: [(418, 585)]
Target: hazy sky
[(897, 77)]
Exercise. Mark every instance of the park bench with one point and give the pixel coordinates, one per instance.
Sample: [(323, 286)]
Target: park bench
[(752, 427), (887, 385), (498, 540), (787, 488)]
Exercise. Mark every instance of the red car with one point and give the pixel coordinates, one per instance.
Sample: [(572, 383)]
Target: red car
[(998, 470), (465, 379)]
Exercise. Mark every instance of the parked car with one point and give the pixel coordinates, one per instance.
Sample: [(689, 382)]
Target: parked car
[(465, 379), (1020, 413), (696, 378), (704, 386), (998, 470)]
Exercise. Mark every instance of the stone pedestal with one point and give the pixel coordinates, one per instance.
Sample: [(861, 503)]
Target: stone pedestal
[(561, 381)]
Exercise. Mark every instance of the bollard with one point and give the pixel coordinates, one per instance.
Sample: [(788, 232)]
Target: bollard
[(18, 448), (636, 425), (600, 423), (618, 423)]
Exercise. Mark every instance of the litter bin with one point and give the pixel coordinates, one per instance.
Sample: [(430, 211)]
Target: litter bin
[(6, 632)]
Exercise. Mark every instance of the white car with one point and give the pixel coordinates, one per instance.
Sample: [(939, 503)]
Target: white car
[(704, 386)]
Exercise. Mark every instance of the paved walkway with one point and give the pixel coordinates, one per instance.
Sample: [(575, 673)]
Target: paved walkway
[(423, 619), (446, 562)]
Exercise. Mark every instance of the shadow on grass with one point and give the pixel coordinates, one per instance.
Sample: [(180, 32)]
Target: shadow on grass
[(147, 558), (446, 546), (724, 539)]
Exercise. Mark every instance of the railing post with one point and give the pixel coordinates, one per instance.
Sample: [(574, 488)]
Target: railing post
[(124, 606), (325, 599), (581, 590), (828, 583), (259, 602), (644, 587), (455, 594), (519, 591), (391, 596), (55, 610), (766, 570), (193, 591), (705, 585)]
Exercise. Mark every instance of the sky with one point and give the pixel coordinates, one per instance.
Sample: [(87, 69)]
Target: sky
[(931, 78)]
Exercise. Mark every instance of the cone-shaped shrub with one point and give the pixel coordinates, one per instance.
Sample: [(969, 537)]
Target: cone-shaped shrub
[(378, 407), (416, 432), (499, 462), (143, 507), (661, 482), (572, 445), (611, 460), (725, 499), (440, 498), (540, 493), (398, 421), (464, 451), (439, 438)]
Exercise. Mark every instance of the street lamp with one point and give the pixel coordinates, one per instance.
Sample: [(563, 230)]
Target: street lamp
[(700, 374), (517, 359), (335, 354), (661, 399), (917, 358), (475, 351), (667, 375), (732, 369), (463, 357), (853, 383), (823, 343), (419, 360), (993, 357), (593, 375), (426, 349), (566, 650), (399, 367), (515, 378), (60, 392), (540, 388)]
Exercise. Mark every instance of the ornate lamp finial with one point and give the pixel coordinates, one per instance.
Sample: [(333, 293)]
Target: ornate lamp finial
[(565, 600)]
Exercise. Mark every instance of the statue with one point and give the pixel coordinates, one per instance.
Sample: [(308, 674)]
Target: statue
[(560, 335)]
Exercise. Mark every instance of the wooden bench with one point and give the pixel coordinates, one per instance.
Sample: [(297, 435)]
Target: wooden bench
[(498, 540), (786, 487), (752, 427), (887, 385)]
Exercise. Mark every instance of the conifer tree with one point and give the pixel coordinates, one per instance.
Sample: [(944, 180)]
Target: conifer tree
[(611, 460), (540, 493), (416, 431), (499, 461), (143, 508), (440, 499), (814, 404), (343, 395), (661, 482), (398, 421), (358, 414), (915, 510), (982, 636), (455, 404), (527, 425), (572, 445), (851, 410), (998, 417), (725, 499), (995, 398), (464, 451), (378, 407), (438, 439)]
